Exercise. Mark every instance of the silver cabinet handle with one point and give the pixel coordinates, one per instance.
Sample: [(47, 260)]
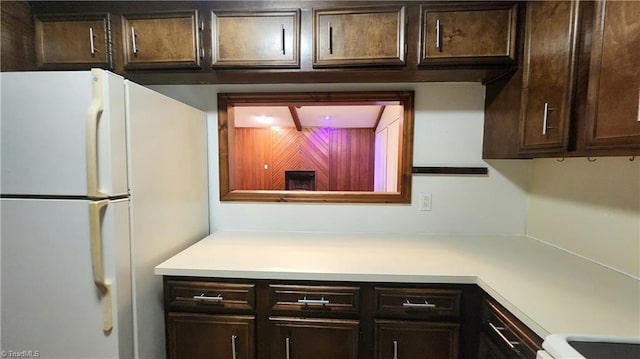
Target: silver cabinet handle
[(283, 38), (330, 30), (200, 37), (498, 330), (545, 118), (638, 105), (91, 36), (395, 349), (287, 344), (133, 40), (426, 304), (217, 298), (438, 43), (306, 301), (233, 346)]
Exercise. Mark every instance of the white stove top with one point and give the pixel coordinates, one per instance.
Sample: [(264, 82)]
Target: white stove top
[(557, 346)]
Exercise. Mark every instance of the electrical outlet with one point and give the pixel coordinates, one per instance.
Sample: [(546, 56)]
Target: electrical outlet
[(425, 201)]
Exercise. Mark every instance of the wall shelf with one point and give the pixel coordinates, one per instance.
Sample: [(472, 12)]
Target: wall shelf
[(450, 170)]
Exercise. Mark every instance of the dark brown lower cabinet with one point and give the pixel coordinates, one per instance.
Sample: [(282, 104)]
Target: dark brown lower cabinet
[(404, 339), (314, 338), (220, 318), (195, 335), (504, 336)]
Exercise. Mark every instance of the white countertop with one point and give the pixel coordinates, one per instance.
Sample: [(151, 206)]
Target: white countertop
[(550, 290)]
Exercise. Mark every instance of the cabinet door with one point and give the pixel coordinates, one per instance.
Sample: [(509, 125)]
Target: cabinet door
[(404, 339), (367, 36), (255, 39), (156, 40), (192, 336), (488, 350), (468, 34), (295, 338), (549, 75), (613, 110), (73, 41)]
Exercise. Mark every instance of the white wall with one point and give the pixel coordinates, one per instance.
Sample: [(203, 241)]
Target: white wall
[(448, 132), (589, 208)]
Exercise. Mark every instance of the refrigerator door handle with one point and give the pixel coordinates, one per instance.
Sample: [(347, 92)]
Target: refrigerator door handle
[(93, 115), (96, 263)]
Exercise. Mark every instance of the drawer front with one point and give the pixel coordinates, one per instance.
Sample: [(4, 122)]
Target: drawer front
[(211, 296), (509, 334), (314, 299), (417, 302)]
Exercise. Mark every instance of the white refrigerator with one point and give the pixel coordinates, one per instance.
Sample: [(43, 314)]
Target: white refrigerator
[(101, 180)]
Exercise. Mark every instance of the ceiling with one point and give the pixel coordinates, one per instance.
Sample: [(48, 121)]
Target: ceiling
[(336, 116)]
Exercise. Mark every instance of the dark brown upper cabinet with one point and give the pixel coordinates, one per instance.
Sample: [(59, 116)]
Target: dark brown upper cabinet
[(359, 36), (255, 39), (73, 41), (161, 40), (549, 75), (613, 109), (472, 33)]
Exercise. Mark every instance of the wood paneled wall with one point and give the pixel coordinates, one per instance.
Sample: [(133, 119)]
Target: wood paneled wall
[(17, 52), (342, 158), (352, 157)]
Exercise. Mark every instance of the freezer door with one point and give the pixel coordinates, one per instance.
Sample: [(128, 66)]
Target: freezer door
[(50, 303), (46, 121)]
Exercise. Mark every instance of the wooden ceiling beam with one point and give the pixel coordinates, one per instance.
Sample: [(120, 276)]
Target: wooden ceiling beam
[(295, 117), (375, 125)]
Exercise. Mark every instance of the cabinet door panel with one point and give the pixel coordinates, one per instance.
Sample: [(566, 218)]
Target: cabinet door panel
[(613, 111), (314, 338), (549, 75), (404, 339), (488, 350), (73, 41), (262, 39), (193, 336), (359, 37), (161, 40), (471, 34)]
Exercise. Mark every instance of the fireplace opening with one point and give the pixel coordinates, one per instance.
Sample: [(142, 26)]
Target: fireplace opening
[(296, 180)]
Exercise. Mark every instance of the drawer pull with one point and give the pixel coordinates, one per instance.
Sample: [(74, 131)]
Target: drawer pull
[(395, 349), (498, 330), (426, 304), (320, 301), (218, 298)]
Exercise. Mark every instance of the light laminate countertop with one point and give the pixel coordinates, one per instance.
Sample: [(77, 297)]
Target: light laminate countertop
[(550, 290)]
